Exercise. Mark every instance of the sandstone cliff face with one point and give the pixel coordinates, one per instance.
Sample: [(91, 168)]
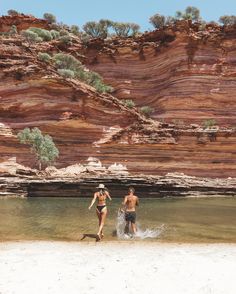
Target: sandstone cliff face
[(181, 73)]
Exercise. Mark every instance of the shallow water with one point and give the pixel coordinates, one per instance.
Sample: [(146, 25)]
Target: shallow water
[(167, 220)]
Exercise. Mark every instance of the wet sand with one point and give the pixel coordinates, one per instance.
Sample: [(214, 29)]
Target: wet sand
[(116, 267)]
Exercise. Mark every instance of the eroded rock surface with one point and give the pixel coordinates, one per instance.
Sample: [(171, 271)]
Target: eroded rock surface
[(185, 74)]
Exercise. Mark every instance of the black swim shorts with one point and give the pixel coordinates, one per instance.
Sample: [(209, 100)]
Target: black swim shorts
[(130, 216)]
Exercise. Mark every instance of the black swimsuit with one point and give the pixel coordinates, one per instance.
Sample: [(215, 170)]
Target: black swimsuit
[(100, 208)]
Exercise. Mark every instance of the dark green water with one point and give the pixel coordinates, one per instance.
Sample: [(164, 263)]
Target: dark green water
[(166, 220)]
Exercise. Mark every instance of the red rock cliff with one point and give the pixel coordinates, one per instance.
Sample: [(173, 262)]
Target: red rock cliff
[(182, 73)]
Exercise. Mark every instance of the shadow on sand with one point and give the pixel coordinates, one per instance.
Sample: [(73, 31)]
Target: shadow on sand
[(94, 236)]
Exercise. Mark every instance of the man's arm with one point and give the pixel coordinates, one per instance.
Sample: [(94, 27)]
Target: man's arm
[(123, 204), (137, 201)]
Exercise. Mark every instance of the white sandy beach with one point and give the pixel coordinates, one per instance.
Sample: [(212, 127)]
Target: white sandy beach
[(123, 267)]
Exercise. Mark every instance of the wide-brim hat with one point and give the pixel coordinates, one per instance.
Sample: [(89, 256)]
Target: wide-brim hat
[(101, 186)]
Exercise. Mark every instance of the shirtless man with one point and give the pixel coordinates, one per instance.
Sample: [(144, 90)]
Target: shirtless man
[(130, 202)]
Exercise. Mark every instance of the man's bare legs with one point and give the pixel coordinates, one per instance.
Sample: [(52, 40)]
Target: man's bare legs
[(134, 229)]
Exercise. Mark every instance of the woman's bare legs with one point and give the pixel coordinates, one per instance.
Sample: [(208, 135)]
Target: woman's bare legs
[(101, 218)]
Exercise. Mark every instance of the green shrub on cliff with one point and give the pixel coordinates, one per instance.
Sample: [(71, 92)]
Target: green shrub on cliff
[(68, 66), (42, 33), (190, 12), (31, 36), (13, 30), (45, 57), (146, 110), (67, 61), (228, 20), (50, 17), (125, 29), (55, 34), (97, 29), (12, 12), (66, 40), (157, 20), (66, 73), (129, 103), (41, 145), (209, 123), (75, 30)]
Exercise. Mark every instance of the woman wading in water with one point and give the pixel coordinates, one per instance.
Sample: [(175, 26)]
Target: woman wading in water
[(101, 210)]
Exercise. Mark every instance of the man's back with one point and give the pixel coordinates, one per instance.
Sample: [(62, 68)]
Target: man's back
[(130, 202)]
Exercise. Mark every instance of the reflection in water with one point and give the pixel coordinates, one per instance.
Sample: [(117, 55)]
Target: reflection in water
[(169, 220)]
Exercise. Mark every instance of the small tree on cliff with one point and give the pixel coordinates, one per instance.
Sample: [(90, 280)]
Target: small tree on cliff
[(157, 20), (42, 145), (190, 12), (97, 29), (50, 17), (228, 20)]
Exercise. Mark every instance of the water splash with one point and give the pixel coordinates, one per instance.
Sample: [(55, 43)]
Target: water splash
[(141, 234)]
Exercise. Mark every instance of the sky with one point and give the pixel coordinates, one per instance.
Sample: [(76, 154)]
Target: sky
[(80, 11)]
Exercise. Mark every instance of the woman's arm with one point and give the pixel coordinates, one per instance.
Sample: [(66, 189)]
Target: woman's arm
[(108, 195), (93, 201)]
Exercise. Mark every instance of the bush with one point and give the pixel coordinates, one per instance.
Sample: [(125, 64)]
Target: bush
[(13, 30), (12, 12), (66, 61), (75, 30), (129, 103), (66, 73), (228, 20), (49, 17), (97, 29), (42, 33), (44, 57), (64, 33), (209, 123), (31, 36), (123, 29), (190, 12), (69, 67), (65, 40), (147, 110), (42, 145), (157, 20), (55, 34)]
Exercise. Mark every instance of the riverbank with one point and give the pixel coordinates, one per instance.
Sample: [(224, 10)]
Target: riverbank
[(170, 185), (127, 267)]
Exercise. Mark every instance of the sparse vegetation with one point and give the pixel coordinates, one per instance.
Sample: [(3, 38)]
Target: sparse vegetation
[(125, 29), (66, 73), (129, 103), (12, 12), (66, 40), (42, 33), (97, 29), (68, 66), (67, 61), (190, 12), (55, 34), (30, 36), (13, 30), (146, 110), (157, 20), (41, 145), (50, 17), (75, 30), (45, 57), (228, 20), (209, 123)]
